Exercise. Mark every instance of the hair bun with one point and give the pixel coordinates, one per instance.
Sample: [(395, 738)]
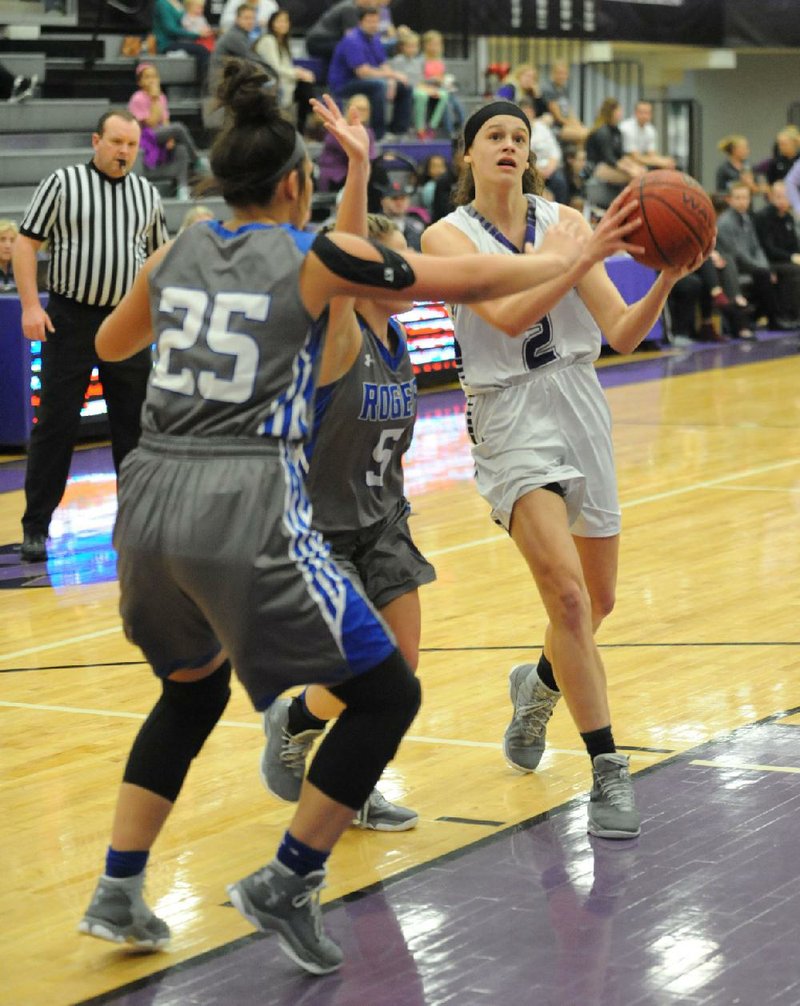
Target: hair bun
[(248, 92)]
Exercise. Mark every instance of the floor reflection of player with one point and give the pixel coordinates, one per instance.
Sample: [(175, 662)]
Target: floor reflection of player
[(580, 969)]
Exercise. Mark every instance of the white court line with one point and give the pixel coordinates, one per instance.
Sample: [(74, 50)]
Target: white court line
[(235, 724), (475, 543), (725, 762), (755, 489), (667, 494), (61, 642)]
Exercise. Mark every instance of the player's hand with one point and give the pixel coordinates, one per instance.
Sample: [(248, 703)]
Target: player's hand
[(620, 219), (567, 238), (36, 323), (350, 132), (673, 275)]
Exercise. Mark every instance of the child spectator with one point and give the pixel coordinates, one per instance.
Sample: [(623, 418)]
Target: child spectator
[(194, 21), (410, 62), (333, 161), (8, 235), (436, 74)]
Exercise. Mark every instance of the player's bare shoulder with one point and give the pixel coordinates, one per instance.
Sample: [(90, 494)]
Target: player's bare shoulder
[(442, 238)]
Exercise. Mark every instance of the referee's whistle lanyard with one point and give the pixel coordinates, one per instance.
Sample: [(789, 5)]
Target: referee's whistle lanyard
[(530, 228)]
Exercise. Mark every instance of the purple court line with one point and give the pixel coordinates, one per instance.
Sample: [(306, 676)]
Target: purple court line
[(704, 908)]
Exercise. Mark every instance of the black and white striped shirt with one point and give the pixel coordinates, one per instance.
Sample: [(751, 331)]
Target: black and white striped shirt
[(100, 229)]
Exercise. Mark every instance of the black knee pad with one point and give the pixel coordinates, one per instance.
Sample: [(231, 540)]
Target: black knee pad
[(381, 705), (175, 731)]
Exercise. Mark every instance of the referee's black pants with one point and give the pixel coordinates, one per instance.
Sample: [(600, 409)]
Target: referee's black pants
[(68, 358)]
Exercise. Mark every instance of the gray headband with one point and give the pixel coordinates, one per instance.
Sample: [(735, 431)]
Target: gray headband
[(477, 119), (297, 155)]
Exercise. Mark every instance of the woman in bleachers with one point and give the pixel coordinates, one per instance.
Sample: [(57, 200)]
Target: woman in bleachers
[(168, 150), (736, 166), (296, 82), (612, 168)]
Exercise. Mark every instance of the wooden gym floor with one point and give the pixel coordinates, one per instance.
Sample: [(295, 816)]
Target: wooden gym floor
[(704, 640)]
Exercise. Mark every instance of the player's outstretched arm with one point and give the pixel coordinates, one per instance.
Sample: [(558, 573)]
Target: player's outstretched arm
[(341, 264)]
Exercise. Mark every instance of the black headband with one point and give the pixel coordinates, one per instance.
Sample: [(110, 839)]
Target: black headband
[(477, 119), (297, 155)]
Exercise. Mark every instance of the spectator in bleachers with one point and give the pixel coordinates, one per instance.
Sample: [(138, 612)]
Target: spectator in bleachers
[(264, 9), (566, 124), (736, 166), (433, 168), (327, 31), (737, 240), (784, 154), (238, 43), (776, 228), (8, 235), (575, 173), (333, 159), (547, 149), (396, 205), (612, 168), (410, 62), (296, 82), (640, 140), (436, 74), (18, 88), (444, 190), (194, 20), (523, 82), (196, 215), (171, 36), (387, 33), (168, 150), (359, 65)]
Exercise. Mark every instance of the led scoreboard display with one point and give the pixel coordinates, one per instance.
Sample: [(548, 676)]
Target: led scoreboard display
[(431, 343)]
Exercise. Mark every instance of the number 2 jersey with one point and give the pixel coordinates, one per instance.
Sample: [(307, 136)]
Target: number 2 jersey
[(363, 424), (487, 357), (236, 350)]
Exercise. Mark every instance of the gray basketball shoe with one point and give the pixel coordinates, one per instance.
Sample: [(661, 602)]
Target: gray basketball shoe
[(283, 763), (534, 702), (378, 814), (117, 913), (612, 807), (276, 900)]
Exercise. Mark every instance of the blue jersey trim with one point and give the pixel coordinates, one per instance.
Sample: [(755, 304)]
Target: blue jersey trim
[(303, 239)]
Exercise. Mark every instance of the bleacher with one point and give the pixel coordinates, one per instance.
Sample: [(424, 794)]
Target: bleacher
[(54, 128)]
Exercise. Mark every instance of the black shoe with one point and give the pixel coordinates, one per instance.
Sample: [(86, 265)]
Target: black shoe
[(34, 547)]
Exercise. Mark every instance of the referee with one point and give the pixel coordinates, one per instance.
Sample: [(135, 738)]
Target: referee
[(102, 222)]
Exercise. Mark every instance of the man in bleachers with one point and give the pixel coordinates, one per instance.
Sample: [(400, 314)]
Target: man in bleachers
[(237, 42), (359, 66), (737, 240), (566, 124), (325, 34), (640, 140)]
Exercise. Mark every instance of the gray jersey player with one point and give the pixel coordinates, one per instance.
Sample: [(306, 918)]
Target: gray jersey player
[(218, 562), (363, 424)]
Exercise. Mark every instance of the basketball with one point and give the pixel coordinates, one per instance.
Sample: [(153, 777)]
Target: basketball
[(678, 219)]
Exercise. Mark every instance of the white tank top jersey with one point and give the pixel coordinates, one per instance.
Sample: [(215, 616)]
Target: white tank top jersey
[(487, 357)]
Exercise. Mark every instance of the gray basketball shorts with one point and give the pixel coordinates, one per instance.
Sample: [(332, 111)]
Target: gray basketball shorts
[(215, 551), (383, 557), (554, 427)]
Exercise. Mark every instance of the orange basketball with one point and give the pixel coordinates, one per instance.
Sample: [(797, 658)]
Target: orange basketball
[(678, 219)]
